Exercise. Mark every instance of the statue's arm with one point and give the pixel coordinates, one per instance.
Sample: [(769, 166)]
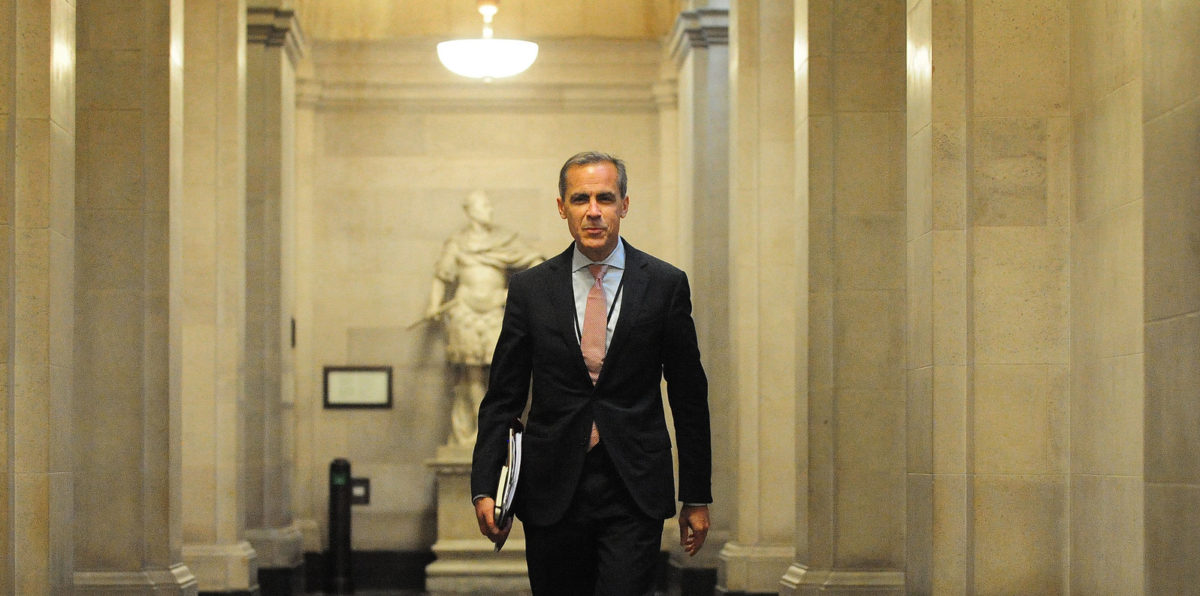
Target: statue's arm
[(437, 294), (445, 271)]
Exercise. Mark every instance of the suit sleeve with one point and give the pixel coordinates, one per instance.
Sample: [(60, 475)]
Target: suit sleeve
[(687, 392), (508, 388)]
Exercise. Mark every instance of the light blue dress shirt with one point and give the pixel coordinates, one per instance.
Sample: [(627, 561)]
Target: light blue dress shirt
[(581, 281)]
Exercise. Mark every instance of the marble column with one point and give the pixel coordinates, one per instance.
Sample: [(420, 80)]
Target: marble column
[(1018, 264), (1170, 90), (938, 278), (309, 475), (763, 223), (698, 52), (1108, 350), (855, 465), (209, 280), (37, 108), (275, 44), (8, 100), (802, 188), (126, 424), (675, 210), (990, 282)]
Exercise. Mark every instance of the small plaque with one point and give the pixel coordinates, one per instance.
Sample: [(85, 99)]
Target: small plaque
[(358, 386)]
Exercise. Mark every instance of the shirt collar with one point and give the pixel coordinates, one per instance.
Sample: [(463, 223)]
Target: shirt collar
[(615, 259)]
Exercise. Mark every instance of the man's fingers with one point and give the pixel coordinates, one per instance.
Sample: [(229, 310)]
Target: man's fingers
[(485, 514), (695, 541), (502, 533), (693, 528), (691, 539)]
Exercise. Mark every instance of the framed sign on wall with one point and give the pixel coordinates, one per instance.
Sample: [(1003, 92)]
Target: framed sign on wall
[(358, 386)]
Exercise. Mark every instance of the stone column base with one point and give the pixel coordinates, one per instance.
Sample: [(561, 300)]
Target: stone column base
[(277, 547), (176, 579), (280, 559), (223, 567), (752, 569), (310, 535), (468, 567), (466, 562), (802, 580)]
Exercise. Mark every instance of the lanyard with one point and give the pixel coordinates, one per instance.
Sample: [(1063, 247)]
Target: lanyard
[(611, 308)]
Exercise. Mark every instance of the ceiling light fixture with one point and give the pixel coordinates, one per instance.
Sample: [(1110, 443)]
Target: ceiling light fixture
[(487, 58)]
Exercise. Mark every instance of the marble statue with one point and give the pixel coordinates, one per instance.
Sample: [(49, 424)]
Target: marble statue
[(469, 288)]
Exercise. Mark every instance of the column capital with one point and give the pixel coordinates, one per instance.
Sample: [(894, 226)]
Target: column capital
[(699, 28), (275, 27)]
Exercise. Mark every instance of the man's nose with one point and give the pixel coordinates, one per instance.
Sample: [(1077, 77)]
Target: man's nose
[(593, 209)]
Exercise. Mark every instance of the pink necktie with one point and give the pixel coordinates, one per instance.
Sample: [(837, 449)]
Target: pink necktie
[(595, 330)]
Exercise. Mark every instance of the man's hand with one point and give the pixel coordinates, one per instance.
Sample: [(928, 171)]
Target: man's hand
[(485, 513), (693, 527)]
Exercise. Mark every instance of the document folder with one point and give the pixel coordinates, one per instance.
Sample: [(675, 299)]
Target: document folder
[(510, 473)]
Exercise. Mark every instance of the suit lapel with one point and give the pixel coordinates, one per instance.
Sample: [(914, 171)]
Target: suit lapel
[(562, 308), (562, 296), (634, 281)]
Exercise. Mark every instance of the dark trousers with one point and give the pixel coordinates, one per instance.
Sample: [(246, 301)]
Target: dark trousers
[(604, 545)]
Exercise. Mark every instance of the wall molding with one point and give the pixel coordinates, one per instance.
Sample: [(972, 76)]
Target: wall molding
[(799, 579), (468, 98), (176, 579), (752, 568), (620, 76)]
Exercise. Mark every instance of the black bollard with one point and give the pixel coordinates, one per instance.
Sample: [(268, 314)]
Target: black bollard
[(338, 581)]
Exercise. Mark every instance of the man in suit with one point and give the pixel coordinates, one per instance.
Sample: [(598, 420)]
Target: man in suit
[(595, 330)]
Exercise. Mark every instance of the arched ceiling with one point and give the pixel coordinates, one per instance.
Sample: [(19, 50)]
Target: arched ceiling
[(342, 20)]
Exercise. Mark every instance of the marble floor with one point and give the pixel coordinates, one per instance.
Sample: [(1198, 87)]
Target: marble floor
[(389, 593), (376, 593)]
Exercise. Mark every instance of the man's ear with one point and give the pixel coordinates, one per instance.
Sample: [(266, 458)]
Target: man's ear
[(625, 206), (562, 212)]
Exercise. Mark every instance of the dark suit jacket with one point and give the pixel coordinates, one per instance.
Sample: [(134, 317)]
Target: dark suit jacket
[(655, 338)]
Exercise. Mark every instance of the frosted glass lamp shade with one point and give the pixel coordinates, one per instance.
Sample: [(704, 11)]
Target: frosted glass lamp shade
[(487, 58)]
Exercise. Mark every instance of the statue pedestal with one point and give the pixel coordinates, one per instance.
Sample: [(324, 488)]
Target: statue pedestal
[(466, 562)]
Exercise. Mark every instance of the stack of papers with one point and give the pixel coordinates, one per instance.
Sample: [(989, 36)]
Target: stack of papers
[(509, 474)]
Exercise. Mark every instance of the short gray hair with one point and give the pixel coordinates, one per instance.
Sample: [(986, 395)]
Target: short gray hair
[(589, 157)]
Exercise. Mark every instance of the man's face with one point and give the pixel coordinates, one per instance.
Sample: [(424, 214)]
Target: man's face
[(593, 208)]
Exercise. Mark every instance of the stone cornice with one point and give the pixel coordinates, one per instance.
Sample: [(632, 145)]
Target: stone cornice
[(698, 29), (276, 27), (434, 97), (569, 75)]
